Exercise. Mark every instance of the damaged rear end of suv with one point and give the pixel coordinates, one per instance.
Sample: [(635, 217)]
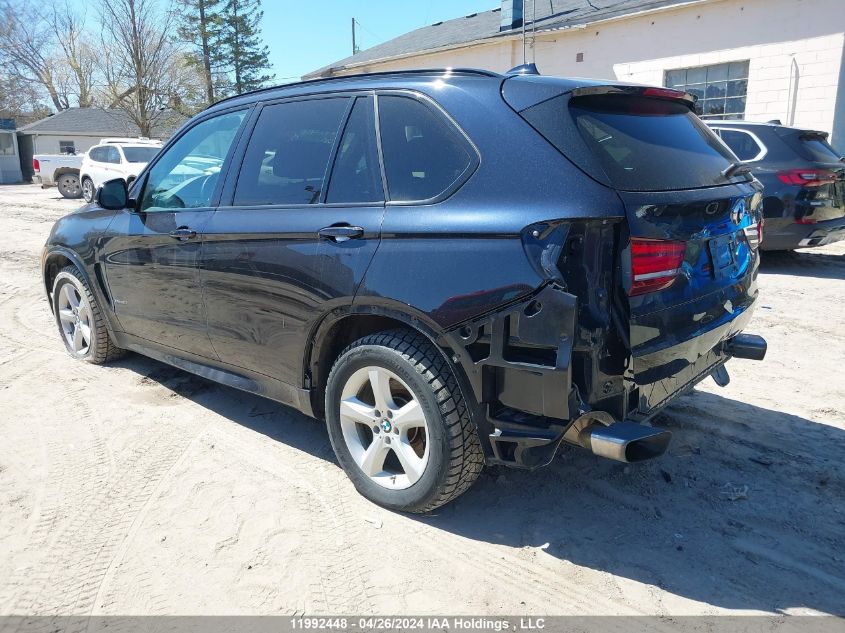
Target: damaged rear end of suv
[(640, 302), (631, 260)]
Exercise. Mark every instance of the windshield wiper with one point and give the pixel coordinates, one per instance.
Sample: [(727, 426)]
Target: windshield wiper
[(735, 169)]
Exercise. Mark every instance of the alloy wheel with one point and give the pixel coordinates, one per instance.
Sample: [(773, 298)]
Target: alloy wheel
[(384, 427), (75, 319)]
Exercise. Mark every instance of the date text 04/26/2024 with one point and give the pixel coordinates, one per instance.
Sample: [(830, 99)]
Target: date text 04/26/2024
[(429, 623)]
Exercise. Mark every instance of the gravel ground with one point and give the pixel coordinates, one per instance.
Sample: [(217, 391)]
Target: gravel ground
[(139, 489)]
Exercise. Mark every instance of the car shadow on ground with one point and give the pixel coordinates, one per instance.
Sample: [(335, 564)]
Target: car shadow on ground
[(803, 263), (278, 422), (745, 511)]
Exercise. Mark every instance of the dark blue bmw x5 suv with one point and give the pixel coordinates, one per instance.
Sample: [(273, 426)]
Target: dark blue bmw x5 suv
[(452, 268)]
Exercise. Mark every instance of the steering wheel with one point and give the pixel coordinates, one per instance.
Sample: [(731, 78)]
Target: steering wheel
[(207, 186)]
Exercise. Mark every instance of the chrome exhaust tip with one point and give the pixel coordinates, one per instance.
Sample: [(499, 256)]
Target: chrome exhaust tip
[(625, 441)]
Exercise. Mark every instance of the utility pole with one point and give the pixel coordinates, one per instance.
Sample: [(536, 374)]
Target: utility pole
[(354, 45)]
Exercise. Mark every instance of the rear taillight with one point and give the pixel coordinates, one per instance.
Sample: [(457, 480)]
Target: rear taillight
[(36, 166), (655, 264), (807, 177)]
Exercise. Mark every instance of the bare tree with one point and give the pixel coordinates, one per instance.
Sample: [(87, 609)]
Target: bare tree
[(145, 71), (20, 100), (48, 48), (68, 30), (26, 48)]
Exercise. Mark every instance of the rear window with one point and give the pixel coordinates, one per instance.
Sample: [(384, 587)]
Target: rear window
[(642, 144), (817, 149)]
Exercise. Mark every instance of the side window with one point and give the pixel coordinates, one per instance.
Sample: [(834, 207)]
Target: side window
[(112, 155), (356, 175), (187, 173), (96, 154), (423, 153), (288, 153), (741, 143)]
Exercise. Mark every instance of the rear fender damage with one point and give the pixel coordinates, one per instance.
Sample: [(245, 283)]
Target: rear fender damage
[(518, 364)]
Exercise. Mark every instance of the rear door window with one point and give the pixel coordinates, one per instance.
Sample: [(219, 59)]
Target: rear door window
[(112, 155), (642, 144), (289, 151), (356, 175), (424, 154)]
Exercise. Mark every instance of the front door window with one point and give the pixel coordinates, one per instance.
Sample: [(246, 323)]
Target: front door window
[(187, 174)]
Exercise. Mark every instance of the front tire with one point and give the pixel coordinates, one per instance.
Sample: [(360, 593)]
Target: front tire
[(88, 190), (398, 423), (69, 186), (81, 324)]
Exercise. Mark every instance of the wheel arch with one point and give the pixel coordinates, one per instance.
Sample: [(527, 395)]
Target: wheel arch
[(61, 171), (342, 326), (54, 261)]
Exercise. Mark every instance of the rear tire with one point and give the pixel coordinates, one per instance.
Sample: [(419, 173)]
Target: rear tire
[(82, 326), (69, 186), (88, 190), (415, 447)]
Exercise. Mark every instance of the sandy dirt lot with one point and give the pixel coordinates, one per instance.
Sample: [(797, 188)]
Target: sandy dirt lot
[(139, 489)]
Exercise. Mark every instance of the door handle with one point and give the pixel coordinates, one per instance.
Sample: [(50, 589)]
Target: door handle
[(341, 233), (183, 233)]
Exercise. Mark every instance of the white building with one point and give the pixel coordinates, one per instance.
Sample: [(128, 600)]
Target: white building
[(754, 59)]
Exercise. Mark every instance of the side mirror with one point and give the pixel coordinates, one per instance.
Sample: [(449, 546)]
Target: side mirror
[(113, 194)]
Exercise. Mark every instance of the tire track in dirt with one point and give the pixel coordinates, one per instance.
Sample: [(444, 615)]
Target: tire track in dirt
[(343, 583), (87, 515), (74, 464)]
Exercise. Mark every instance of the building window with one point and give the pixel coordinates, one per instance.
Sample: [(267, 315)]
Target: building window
[(67, 147), (720, 88), (7, 145)]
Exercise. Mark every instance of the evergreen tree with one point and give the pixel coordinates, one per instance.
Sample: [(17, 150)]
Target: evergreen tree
[(201, 25), (242, 45)]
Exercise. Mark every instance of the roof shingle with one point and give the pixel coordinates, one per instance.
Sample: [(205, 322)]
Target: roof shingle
[(98, 122), (551, 15)]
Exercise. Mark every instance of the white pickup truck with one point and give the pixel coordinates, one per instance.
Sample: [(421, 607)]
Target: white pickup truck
[(61, 170)]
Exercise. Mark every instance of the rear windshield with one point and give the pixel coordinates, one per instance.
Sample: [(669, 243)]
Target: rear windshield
[(140, 154), (643, 144), (817, 149)]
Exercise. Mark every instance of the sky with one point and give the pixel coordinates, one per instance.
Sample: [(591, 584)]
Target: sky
[(304, 36)]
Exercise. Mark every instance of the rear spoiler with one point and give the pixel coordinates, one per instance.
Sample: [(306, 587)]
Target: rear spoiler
[(636, 91)]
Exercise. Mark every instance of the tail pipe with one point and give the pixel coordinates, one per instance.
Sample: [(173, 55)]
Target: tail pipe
[(623, 441), (748, 346)]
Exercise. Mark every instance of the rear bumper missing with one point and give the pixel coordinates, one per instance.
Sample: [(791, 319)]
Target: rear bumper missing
[(519, 366)]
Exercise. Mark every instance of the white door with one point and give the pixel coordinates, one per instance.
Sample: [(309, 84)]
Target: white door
[(97, 170)]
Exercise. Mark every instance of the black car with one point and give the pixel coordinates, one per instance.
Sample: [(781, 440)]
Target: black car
[(452, 268), (803, 179)]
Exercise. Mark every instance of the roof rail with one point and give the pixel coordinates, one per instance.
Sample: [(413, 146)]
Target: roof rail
[(385, 73)]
